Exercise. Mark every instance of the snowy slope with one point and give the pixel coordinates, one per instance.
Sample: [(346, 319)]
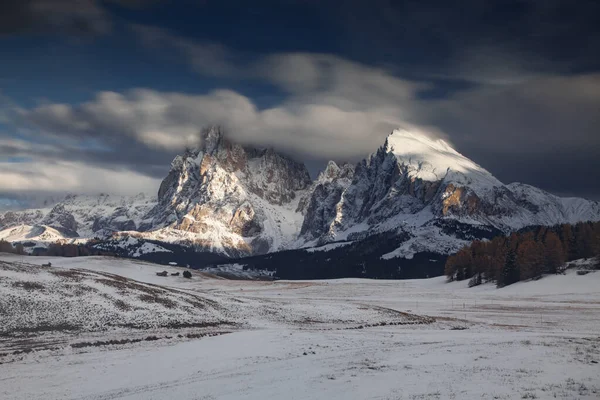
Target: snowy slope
[(39, 234), (85, 216), (434, 160), (83, 300), (338, 339)]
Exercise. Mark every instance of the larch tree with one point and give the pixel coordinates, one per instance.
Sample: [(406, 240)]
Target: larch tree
[(554, 255), (584, 240), (529, 259)]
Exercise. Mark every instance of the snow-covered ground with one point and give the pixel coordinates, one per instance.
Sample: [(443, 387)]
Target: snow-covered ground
[(338, 339), (237, 271), (42, 236)]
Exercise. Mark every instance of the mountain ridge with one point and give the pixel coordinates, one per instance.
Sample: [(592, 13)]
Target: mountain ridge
[(237, 201)]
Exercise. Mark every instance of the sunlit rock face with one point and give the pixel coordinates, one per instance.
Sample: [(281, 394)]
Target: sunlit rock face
[(234, 199)]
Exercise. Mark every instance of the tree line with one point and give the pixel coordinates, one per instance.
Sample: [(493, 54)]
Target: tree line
[(55, 249), (7, 247), (70, 250), (524, 255)]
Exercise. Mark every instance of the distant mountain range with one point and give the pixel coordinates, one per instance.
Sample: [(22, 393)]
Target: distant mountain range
[(238, 201)]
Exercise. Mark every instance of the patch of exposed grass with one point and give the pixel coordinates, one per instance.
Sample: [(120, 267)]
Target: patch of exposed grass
[(70, 274), (29, 286), (121, 305), (147, 298)]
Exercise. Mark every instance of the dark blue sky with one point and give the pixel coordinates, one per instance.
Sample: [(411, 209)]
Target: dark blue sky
[(120, 85)]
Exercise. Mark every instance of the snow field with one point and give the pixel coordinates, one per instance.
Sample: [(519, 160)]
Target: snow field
[(337, 339)]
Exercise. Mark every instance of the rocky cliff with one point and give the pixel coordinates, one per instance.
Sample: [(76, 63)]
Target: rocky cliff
[(231, 199)]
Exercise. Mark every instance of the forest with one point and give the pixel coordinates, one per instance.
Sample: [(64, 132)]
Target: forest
[(54, 249), (527, 254)]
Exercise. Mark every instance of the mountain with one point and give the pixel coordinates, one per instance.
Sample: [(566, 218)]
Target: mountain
[(76, 216), (415, 197), (319, 204), (230, 199), (422, 187)]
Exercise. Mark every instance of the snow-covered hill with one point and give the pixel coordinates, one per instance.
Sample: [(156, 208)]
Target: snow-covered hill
[(39, 234)]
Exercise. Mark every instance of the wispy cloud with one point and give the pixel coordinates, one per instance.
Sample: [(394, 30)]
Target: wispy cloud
[(60, 176)]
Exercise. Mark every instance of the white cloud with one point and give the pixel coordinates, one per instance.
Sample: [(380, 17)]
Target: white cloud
[(335, 108), (339, 120), (331, 126), (56, 176)]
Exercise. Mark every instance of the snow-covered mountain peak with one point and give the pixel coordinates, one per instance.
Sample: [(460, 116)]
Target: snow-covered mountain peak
[(402, 140), (434, 159), (335, 171)]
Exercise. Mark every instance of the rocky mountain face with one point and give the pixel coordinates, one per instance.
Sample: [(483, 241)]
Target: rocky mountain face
[(423, 187), (84, 216), (319, 204), (419, 193), (231, 199)]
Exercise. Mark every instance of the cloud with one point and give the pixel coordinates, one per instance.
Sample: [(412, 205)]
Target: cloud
[(329, 101), (512, 122), (339, 109), (59, 176), (517, 131), (324, 91), (535, 116), (38, 165), (294, 72), (542, 131)]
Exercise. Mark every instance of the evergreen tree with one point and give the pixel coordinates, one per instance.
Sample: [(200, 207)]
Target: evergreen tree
[(510, 272)]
